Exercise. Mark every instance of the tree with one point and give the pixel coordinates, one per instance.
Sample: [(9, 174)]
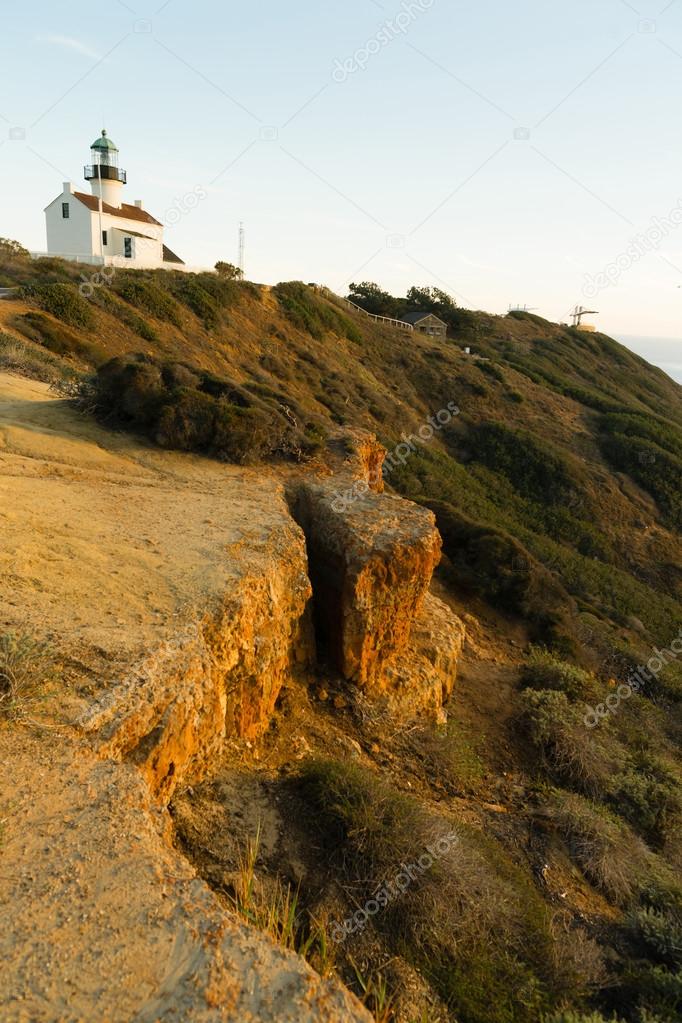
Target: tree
[(9, 249), (372, 299), (229, 271), (433, 299)]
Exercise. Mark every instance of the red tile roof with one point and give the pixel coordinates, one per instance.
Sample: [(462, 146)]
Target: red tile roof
[(126, 211)]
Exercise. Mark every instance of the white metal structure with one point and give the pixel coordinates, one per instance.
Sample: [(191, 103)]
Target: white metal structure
[(242, 247)]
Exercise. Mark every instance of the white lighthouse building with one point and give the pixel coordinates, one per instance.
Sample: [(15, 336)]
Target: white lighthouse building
[(99, 227)]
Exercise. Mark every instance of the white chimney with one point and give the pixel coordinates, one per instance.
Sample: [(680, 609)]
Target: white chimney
[(69, 187), (138, 203)]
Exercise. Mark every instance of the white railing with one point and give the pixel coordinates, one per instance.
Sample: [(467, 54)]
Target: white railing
[(388, 320), (72, 257), (121, 262)]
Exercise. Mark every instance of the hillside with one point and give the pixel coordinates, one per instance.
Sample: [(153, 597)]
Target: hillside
[(555, 476)]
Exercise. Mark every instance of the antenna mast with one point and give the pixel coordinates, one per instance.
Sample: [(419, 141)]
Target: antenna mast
[(579, 312), (242, 247)]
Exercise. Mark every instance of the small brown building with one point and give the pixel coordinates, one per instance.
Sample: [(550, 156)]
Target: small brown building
[(426, 323)]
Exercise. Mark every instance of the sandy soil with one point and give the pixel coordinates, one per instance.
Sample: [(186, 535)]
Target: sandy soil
[(107, 538)]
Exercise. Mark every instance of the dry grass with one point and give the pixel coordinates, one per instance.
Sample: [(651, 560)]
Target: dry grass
[(273, 907), (610, 855), (575, 754), (471, 920), (25, 666), (26, 361)]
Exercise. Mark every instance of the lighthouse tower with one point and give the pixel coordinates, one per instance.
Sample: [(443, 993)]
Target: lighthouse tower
[(105, 177)]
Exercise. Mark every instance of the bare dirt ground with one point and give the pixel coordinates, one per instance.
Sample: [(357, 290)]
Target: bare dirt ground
[(107, 546), (108, 536)]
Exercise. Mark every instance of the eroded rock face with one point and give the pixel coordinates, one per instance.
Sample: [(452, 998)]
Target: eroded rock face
[(362, 457), (421, 679), (218, 677), (370, 567)]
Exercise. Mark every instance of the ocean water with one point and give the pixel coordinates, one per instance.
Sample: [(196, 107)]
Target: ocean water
[(665, 352)]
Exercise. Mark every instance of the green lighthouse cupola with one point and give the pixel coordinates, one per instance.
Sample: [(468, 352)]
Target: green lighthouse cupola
[(105, 177)]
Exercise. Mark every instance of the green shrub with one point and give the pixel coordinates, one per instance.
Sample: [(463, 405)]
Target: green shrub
[(575, 754), (34, 363), (655, 990), (636, 425), (491, 369), (657, 935), (569, 1016), (534, 468), (190, 410), (307, 311), (197, 298), (543, 670), (650, 799), (148, 297), (654, 468), (493, 565), (63, 302)]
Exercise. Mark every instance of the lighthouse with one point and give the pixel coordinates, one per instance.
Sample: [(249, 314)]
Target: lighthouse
[(103, 172), (100, 227)]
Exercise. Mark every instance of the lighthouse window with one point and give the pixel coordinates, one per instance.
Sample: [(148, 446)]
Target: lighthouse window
[(65, 210), (105, 237), (128, 248)]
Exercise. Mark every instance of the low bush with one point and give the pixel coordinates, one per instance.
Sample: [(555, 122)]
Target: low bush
[(657, 935), (657, 470), (472, 921), (148, 297), (649, 797), (569, 1016), (190, 410), (534, 469), (307, 311), (498, 568), (609, 854), (543, 670), (199, 301), (656, 991), (29, 361), (63, 302), (491, 369), (572, 752), (57, 339)]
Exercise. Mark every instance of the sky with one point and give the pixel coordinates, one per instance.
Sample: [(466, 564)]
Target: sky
[(512, 154)]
